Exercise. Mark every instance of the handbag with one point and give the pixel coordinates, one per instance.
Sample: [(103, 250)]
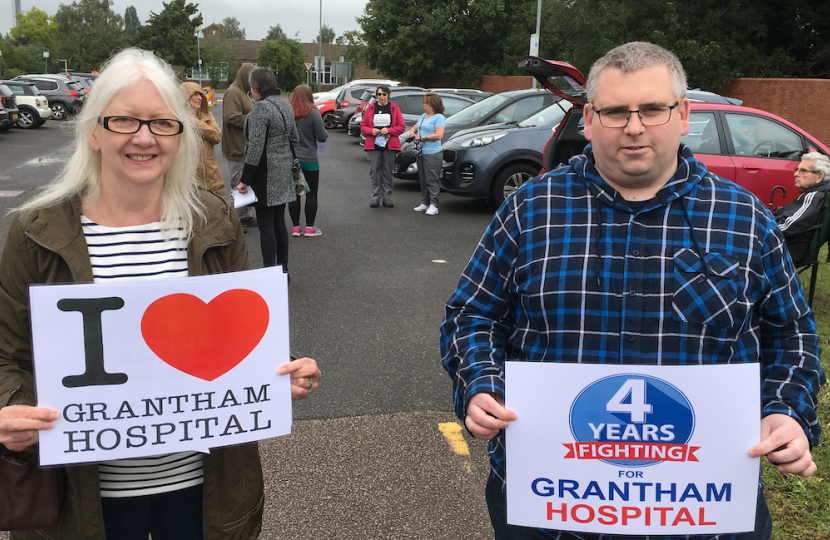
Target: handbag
[(301, 187), (418, 145), (30, 497)]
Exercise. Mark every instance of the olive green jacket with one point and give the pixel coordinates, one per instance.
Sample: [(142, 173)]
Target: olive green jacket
[(48, 246)]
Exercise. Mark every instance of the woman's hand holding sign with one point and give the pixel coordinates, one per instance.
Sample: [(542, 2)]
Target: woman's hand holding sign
[(19, 425), (304, 376), (784, 443), (486, 415)]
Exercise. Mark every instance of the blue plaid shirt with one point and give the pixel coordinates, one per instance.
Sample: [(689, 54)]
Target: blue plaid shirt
[(568, 272)]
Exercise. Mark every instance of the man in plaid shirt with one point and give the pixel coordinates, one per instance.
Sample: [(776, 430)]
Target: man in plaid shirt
[(634, 254)]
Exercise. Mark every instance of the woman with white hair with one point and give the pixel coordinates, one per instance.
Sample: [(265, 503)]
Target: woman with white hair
[(130, 182)]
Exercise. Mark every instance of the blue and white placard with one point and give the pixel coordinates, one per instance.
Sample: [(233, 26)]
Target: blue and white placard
[(638, 450)]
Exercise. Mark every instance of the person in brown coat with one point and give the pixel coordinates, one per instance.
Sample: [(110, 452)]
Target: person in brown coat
[(208, 173), (236, 105)]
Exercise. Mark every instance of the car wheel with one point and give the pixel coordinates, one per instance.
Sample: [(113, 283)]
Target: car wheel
[(330, 120), (27, 119), (508, 180), (58, 111)]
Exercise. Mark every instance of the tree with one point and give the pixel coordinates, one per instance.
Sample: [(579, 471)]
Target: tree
[(285, 58), (18, 59), (172, 33), (131, 22), (354, 39), (89, 33), (230, 26), (275, 33), (328, 34), (463, 38), (38, 27)]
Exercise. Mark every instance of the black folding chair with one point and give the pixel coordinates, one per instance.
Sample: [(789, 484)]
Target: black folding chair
[(821, 236)]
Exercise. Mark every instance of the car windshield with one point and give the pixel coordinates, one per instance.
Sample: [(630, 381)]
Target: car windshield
[(74, 85), (553, 114), (477, 111)]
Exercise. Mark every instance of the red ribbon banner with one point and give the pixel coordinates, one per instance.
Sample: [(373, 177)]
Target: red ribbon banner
[(635, 451)]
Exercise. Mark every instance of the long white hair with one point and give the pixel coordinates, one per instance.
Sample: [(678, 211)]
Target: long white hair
[(81, 177)]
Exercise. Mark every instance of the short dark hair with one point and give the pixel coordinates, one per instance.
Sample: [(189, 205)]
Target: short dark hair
[(435, 102), (263, 81), (384, 88)]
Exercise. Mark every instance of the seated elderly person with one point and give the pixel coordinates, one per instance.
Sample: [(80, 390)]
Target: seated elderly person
[(794, 219)]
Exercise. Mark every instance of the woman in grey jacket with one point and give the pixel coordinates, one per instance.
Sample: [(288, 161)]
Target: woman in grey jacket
[(311, 128), (269, 133)]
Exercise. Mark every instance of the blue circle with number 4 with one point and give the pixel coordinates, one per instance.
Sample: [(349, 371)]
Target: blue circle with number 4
[(632, 408)]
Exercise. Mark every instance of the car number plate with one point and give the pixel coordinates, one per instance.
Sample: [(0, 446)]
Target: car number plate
[(14, 117)]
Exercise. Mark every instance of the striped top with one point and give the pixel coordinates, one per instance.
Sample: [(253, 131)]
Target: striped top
[(140, 253)]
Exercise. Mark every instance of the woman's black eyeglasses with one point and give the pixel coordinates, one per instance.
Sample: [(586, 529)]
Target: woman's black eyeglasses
[(164, 127)]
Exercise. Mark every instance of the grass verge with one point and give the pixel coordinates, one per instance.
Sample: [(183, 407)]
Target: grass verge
[(800, 507)]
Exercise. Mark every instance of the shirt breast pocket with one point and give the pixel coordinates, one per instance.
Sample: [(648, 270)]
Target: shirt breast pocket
[(715, 301)]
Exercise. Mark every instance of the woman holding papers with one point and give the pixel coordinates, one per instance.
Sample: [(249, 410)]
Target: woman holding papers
[(125, 208), (311, 129), (270, 134), (382, 124)]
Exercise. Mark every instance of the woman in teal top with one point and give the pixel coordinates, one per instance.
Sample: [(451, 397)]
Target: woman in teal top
[(430, 131)]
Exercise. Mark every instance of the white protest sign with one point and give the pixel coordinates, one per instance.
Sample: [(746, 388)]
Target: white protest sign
[(155, 367), (638, 450)]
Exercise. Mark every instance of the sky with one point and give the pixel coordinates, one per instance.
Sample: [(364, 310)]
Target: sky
[(255, 16)]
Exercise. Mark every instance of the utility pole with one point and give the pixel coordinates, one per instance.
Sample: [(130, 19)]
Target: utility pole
[(321, 67), (199, 54), (538, 28)]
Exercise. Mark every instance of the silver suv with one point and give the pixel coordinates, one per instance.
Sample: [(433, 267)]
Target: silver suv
[(66, 97)]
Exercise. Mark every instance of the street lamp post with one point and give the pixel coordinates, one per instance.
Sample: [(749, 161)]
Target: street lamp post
[(321, 68), (199, 54)]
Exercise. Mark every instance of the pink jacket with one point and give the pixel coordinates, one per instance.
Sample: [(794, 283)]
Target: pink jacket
[(367, 125)]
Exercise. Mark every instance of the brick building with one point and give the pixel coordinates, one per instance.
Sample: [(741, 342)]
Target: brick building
[(247, 50)]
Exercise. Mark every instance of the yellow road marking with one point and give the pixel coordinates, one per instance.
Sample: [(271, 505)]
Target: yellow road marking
[(452, 432)]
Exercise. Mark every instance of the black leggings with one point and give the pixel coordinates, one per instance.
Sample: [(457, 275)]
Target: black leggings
[(273, 236), (313, 179)]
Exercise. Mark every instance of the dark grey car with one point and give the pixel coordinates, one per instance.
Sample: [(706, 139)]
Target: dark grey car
[(66, 97)]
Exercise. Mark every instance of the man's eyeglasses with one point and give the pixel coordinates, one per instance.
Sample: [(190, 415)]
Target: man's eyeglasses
[(801, 170), (126, 125), (618, 117)]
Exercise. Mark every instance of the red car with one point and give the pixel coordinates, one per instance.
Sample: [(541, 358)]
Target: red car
[(327, 109), (753, 148)]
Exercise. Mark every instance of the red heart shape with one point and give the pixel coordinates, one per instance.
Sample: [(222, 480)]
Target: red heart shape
[(205, 340)]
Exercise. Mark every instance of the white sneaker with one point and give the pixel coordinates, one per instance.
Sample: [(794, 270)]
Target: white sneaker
[(420, 208), (432, 210)]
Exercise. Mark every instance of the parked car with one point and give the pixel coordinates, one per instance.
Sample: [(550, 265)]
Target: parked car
[(490, 162), (332, 94), (326, 109), (9, 104), (65, 97), (753, 148), (510, 106), (5, 118), (83, 81), (472, 93), (411, 105), (350, 99), (33, 107)]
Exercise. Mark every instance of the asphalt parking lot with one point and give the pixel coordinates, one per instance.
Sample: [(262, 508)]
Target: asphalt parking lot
[(377, 451)]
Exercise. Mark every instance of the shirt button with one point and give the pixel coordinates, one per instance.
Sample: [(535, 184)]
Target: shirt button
[(635, 252), (630, 337)]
